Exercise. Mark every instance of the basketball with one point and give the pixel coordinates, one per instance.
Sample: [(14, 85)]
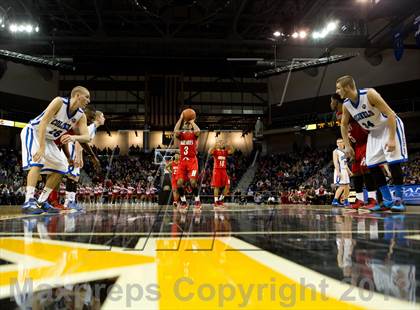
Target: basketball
[(188, 114)]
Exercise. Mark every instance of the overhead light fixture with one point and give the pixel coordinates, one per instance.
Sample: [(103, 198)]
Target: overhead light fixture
[(277, 34), (295, 35), (302, 34), (329, 28), (22, 28)]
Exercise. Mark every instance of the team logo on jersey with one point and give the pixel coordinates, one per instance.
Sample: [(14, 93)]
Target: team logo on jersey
[(363, 106)]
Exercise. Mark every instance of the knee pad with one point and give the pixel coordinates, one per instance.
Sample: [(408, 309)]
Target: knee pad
[(358, 183), (71, 185), (378, 176), (397, 174)]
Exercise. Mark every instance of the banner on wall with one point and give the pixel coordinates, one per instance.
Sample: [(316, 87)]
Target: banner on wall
[(411, 194)]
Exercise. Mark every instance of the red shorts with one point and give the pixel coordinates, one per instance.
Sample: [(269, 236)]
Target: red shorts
[(187, 169), (359, 157), (220, 178)]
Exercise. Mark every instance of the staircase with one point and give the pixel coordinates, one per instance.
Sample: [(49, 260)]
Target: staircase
[(248, 176)]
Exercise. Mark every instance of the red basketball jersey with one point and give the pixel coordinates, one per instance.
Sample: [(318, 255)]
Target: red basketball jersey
[(220, 158), (174, 166), (358, 135), (188, 144)]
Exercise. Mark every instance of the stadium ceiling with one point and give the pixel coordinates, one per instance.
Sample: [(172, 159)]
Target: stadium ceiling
[(132, 36)]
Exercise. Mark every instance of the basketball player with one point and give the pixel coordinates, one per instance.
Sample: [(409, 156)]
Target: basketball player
[(220, 178), (386, 138), (76, 155), (173, 168), (360, 172), (341, 175), (188, 163), (39, 152)]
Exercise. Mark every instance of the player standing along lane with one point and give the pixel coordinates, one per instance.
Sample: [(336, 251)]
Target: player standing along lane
[(39, 152), (172, 166), (341, 174), (76, 156), (386, 140), (360, 173), (187, 132), (220, 178)]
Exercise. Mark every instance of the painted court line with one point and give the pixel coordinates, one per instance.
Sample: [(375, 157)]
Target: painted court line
[(200, 233)]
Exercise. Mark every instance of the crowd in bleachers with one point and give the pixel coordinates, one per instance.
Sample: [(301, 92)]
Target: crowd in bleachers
[(299, 177)]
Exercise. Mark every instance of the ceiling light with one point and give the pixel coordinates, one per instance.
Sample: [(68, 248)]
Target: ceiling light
[(302, 34), (276, 34), (295, 35)]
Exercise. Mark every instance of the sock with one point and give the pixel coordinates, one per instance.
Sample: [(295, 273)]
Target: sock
[(372, 194), (197, 198), (72, 196), (221, 197), (44, 195), (216, 199), (398, 194), (360, 196), (66, 201), (53, 196), (30, 192), (386, 194), (183, 199)]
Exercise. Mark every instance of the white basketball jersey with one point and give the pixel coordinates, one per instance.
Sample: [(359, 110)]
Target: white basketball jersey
[(368, 116), (61, 122), (92, 131), (92, 134), (342, 159)]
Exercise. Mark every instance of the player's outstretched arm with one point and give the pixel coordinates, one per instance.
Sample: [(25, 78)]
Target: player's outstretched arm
[(84, 133), (51, 110), (344, 127), (377, 101)]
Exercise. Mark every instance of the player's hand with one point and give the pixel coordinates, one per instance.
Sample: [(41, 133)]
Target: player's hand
[(390, 146), (39, 154), (67, 139), (349, 151), (70, 161)]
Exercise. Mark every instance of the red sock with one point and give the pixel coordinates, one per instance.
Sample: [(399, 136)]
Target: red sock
[(53, 197)]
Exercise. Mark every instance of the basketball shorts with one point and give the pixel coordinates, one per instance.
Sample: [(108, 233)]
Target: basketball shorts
[(359, 164), (187, 169), (220, 178), (53, 160), (376, 152), (342, 179)]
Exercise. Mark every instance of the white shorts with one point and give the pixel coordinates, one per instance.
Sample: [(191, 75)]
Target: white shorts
[(54, 159), (376, 154), (344, 179), (73, 170)]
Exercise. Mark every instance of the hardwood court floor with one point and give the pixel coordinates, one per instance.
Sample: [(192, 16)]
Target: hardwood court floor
[(252, 257)]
